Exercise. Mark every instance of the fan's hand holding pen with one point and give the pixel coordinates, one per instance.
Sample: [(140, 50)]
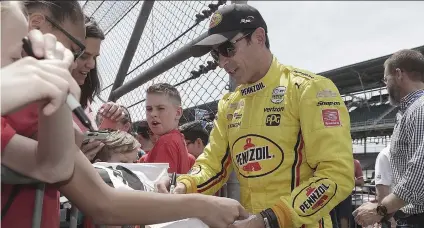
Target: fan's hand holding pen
[(47, 80)]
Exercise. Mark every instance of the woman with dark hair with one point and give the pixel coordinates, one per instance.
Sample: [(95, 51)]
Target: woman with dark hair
[(87, 76), (86, 73)]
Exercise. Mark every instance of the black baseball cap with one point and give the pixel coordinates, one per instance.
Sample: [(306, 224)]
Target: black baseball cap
[(226, 23)]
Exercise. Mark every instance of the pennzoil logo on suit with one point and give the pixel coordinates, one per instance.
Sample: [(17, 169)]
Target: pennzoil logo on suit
[(256, 155)]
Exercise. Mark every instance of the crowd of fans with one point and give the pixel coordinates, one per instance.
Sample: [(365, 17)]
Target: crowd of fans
[(37, 125)]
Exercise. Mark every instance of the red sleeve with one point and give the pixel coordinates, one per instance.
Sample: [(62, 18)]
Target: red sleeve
[(162, 152), (7, 132), (358, 169)]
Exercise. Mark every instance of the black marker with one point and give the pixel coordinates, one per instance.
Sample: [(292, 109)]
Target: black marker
[(73, 104), (173, 182)]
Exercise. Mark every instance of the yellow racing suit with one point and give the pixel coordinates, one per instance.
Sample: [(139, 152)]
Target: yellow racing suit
[(287, 137)]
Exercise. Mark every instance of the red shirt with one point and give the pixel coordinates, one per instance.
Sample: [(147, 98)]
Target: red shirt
[(25, 122), (170, 148), (7, 132)]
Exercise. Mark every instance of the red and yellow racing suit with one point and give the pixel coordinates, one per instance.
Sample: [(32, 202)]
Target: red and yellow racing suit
[(287, 137)]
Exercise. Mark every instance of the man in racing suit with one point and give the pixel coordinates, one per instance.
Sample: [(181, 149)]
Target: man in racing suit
[(285, 132)]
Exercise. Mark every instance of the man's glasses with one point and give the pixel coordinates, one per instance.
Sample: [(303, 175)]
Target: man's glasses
[(78, 53), (227, 49)]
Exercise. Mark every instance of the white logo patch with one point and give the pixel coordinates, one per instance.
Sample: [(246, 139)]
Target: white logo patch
[(278, 94)]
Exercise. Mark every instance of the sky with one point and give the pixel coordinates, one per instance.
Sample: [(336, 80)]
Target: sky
[(317, 36), (321, 36)]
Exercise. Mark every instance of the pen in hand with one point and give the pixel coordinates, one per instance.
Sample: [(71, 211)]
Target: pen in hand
[(71, 101), (173, 183)]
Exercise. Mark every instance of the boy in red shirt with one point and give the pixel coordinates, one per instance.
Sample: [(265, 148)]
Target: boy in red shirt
[(163, 111)]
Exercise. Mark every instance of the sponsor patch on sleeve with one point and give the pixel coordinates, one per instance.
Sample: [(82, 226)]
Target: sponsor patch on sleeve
[(331, 117), (314, 197), (195, 170)]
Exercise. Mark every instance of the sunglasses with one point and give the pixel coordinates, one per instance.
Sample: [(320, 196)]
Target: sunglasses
[(77, 54), (227, 49)]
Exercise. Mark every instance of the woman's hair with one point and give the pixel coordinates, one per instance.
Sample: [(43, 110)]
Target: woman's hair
[(59, 10), (142, 128), (117, 142), (194, 130), (92, 85)]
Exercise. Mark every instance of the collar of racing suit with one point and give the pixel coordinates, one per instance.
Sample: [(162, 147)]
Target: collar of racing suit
[(252, 88)]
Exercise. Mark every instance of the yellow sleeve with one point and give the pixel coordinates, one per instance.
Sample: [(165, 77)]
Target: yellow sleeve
[(325, 126), (213, 167)]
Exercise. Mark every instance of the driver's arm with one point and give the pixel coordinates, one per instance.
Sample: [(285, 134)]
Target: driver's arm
[(213, 166)]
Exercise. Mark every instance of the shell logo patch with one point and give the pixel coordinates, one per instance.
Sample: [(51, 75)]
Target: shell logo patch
[(215, 20)]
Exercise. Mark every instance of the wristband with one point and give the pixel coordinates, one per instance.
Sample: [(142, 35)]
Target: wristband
[(265, 218), (271, 217)]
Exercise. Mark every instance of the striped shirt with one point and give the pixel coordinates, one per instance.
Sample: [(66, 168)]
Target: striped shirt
[(407, 153)]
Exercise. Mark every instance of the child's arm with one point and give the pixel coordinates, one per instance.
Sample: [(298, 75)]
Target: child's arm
[(52, 158)]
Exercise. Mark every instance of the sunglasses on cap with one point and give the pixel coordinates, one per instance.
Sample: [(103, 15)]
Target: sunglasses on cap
[(227, 49)]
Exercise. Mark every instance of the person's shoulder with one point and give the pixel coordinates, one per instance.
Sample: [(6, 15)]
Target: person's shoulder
[(174, 137), (384, 152), (417, 109), (381, 156), (228, 97), (303, 79), (300, 73), (170, 135)]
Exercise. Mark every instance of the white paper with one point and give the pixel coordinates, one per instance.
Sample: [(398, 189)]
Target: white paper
[(150, 173), (185, 223), (153, 171)]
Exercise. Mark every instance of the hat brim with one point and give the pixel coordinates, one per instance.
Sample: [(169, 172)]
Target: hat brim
[(204, 46)]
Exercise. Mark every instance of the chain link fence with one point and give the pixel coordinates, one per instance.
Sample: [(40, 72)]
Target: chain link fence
[(170, 26)]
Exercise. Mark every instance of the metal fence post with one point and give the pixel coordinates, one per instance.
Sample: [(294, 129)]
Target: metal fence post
[(139, 26), (233, 185), (165, 64)]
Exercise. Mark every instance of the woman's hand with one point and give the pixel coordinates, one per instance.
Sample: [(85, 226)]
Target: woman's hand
[(112, 111), (28, 80)]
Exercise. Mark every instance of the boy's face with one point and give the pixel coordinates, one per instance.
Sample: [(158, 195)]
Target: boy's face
[(163, 114), (195, 148)]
